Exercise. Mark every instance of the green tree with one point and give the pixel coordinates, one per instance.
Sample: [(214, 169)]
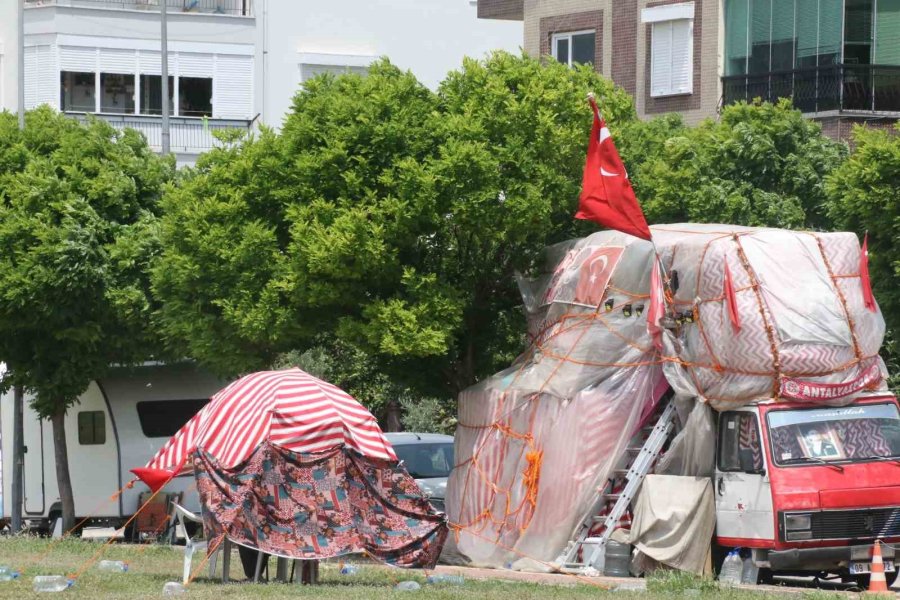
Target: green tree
[(77, 230), (758, 164), (384, 215), (864, 195)]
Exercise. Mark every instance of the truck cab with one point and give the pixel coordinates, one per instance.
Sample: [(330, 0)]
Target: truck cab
[(809, 488)]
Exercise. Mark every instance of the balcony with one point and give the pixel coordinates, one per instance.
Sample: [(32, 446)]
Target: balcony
[(235, 8), (187, 135), (849, 88)]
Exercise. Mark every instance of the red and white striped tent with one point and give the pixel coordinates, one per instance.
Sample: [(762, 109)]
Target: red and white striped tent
[(294, 467), (288, 408)]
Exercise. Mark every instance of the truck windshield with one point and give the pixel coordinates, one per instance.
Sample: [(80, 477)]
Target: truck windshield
[(865, 432)]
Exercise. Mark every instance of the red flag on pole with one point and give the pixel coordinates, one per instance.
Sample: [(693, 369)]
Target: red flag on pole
[(607, 197), (868, 296), (731, 300), (657, 309), (154, 478)]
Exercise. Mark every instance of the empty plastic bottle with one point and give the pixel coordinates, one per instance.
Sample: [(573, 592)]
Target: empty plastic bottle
[(749, 572), (407, 586), (349, 570), (173, 588), (115, 566), (445, 578), (732, 568), (7, 574), (51, 583)]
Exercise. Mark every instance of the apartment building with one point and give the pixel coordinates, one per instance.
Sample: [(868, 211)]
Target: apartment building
[(838, 60), (231, 63)]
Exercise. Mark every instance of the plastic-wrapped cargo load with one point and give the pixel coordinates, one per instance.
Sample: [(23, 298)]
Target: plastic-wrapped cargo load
[(535, 441)]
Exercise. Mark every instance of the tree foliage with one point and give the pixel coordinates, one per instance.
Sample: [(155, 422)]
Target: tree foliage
[(77, 220), (758, 164), (864, 196), (77, 233), (385, 215)]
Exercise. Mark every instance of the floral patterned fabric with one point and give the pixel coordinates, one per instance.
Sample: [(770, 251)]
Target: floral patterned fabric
[(313, 506)]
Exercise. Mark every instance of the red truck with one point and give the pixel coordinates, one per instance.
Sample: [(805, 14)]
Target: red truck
[(808, 489)]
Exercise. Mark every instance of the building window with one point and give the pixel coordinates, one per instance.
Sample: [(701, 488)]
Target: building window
[(91, 428), (195, 96), (151, 95), (672, 58), (163, 418), (671, 48), (116, 93), (577, 47), (77, 92)]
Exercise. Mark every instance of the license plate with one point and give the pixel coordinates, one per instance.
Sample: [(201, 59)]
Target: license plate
[(860, 568)]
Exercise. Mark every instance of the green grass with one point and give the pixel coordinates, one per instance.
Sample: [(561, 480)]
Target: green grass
[(151, 566)]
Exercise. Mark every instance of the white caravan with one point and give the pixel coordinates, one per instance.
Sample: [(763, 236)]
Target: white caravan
[(118, 424)]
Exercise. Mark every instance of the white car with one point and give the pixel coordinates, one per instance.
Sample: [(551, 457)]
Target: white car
[(428, 457)]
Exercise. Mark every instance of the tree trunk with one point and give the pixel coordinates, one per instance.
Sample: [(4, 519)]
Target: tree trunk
[(393, 416), (60, 452)]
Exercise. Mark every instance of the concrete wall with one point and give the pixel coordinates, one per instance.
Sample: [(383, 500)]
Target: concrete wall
[(9, 44), (428, 37)]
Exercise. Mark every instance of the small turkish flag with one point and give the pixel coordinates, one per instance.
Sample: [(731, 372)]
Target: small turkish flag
[(607, 197), (657, 309), (865, 282), (731, 300)]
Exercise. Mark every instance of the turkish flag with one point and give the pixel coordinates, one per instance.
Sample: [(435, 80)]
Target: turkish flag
[(657, 309), (731, 300), (606, 194), (868, 296), (594, 274)]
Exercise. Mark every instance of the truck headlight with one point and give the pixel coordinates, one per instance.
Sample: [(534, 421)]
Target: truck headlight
[(797, 522), (798, 527)]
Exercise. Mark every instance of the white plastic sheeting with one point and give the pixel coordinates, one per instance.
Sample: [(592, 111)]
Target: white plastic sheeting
[(537, 440)]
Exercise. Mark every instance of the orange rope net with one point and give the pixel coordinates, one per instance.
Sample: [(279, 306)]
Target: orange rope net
[(515, 502)]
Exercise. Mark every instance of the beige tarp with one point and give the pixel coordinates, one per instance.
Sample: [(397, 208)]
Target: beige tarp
[(674, 519)]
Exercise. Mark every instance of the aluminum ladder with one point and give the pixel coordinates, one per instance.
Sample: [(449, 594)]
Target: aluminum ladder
[(634, 476)]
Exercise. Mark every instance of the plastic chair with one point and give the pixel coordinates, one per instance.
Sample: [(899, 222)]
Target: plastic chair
[(182, 517)]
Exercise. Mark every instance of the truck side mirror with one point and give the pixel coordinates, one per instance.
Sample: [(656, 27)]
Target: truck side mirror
[(745, 456)]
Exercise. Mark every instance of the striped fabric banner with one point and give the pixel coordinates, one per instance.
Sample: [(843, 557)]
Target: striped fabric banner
[(290, 408)]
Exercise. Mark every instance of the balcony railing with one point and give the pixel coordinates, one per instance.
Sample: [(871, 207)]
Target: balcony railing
[(241, 8), (858, 88), (186, 135)]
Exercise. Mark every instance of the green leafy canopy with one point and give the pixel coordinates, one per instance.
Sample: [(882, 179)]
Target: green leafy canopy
[(78, 206)]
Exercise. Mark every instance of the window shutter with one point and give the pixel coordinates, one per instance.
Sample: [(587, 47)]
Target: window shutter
[(682, 57), (672, 58), (661, 59)]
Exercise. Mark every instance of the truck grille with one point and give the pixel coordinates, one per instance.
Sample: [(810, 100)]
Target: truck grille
[(856, 524)]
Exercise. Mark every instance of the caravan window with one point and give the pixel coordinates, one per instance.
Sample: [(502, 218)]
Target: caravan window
[(162, 418), (91, 428)]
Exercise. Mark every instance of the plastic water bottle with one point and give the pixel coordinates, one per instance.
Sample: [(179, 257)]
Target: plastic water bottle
[(349, 570), (732, 568), (173, 588), (114, 566), (407, 586), (445, 578), (750, 572), (51, 583), (7, 574)]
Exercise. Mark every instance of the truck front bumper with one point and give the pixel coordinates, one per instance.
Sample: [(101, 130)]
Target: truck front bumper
[(822, 559)]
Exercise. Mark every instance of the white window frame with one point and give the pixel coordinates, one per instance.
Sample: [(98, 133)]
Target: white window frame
[(568, 35)]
